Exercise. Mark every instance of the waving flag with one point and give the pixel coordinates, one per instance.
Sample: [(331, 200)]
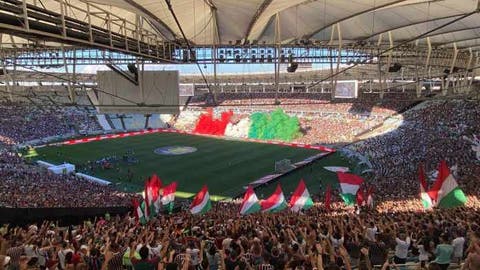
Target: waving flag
[(445, 192), (301, 198), (426, 200), (138, 210), (250, 203), (201, 203), (147, 196), (168, 197), (275, 203), (360, 197), (328, 198), (349, 184), (156, 186)]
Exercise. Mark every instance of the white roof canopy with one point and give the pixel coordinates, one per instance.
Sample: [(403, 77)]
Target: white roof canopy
[(227, 21)]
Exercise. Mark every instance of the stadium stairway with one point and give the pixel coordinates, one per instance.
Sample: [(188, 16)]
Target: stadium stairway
[(104, 123), (109, 120)]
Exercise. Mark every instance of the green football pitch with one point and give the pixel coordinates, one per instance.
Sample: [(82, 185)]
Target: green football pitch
[(225, 166)]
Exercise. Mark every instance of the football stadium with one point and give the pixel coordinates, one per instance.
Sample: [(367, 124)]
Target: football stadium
[(232, 135)]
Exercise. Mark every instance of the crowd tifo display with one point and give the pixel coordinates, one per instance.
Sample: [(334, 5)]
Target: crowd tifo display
[(275, 125), (207, 124)]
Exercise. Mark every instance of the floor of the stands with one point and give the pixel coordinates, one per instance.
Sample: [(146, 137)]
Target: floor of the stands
[(224, 165)]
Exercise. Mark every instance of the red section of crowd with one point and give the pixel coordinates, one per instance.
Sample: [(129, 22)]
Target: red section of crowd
[(207, 124)]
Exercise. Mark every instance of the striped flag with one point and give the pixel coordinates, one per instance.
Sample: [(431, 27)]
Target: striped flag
[(168, 197), (349, 185), (424, 196), (201, 203), (138, 210), (275, 203), (250, 203), (445, 192), (301, 198)]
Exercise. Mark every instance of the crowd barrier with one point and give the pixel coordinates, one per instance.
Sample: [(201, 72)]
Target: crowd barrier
[(93, 179), (20, 216)]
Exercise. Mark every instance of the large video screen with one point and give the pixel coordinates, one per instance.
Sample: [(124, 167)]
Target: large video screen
[(346, 89), (118, 95)]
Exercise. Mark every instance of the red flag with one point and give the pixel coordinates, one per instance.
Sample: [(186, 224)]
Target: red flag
[(155, 185), (360, 197), (328, 197), (136, 207), (421, 176), (443, 172)]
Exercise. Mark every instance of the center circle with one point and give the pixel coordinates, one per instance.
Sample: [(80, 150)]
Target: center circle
[(174, 150)]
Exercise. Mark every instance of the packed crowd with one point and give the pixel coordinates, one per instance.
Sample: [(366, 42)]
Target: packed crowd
[(27, 186), (398, 231), (323, 121), (220, 239), (332, 130), (366, 104), (21, 122), (433, 131)]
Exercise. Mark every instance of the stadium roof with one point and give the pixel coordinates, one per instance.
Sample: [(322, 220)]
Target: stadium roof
[(255, 20), (207, 22)]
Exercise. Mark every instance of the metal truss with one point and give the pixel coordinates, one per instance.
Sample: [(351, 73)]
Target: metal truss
[(116, 34), (48, 57)]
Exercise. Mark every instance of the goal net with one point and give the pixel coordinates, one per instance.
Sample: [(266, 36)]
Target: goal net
[(283, 166)]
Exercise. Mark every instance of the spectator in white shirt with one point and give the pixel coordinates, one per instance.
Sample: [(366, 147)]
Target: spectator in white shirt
[(401, 249), (458, 243), (371, 232)]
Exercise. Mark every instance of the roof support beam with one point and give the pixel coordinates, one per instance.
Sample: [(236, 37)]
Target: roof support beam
[(276, 63), (339, 53), (7, 77), (255, 17), (452, 65), (216, 32), (469, 66), (453, 31), (456, 41), (429, 52), (409, 24), (213, 11), (153, 17), (311, 34)]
